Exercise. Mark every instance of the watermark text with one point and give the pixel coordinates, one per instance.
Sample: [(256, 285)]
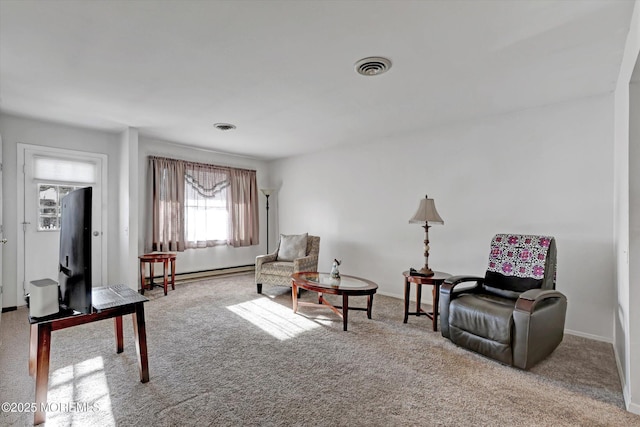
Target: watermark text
[(22, 407)]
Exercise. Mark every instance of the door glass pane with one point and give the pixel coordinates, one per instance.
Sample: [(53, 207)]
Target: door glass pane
[(49, 197)]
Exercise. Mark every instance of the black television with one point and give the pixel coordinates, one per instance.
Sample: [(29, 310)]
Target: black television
[(74, 275)]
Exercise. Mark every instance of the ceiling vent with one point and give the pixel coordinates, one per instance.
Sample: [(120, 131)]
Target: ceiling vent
[(224, 126), (373, 66)]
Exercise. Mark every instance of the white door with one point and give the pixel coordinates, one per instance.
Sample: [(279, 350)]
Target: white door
[(2, 239), (48, 177)]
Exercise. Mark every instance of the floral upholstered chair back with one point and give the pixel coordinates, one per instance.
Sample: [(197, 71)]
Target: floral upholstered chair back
[(519, 262)]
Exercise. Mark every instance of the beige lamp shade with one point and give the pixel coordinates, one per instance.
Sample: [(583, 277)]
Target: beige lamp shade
[(426, 213), (267, 191)]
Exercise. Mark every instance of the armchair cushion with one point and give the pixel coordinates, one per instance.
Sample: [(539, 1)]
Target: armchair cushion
[(486, 315), (292, 246), (278, 268), (505, 293), (484, 324)]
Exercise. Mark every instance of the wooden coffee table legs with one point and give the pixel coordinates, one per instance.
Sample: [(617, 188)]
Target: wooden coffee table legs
[(294, 296), (342, 311), (369, 305), (345, 310)]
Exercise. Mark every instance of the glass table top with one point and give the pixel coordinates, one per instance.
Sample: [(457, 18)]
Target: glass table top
[(344, 282)]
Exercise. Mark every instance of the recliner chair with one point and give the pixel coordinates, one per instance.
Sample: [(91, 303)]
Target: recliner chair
[(514, 314)]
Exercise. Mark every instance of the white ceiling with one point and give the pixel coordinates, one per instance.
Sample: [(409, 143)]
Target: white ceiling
[(282, 71)]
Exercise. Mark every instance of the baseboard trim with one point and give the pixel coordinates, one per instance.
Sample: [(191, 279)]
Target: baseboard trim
[(399, 296), (203, 274), (590, 336), (6, 309)]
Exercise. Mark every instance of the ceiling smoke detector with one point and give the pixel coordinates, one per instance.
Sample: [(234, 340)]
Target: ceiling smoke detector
[(224, 126), (373, 66)]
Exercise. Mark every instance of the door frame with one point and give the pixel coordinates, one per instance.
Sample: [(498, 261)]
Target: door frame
[(1, 236), (61, 153)]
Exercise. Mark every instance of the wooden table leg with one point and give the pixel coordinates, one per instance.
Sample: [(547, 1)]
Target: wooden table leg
[(142, 271), (140, 334), (33, 349), (436, 302), (151, 267), (173, 274), (407, 288), (345, 311), (418, 298), (117, 323), (294, 296), (42, 370), (165, 270), (370, 305)]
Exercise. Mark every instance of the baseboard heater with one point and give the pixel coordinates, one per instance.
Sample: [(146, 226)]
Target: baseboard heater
[(204, 274)]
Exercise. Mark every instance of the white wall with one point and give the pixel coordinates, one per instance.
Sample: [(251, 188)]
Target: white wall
[(128, 210), (193, 260), (626, 225), (546, 171), (22, 130), (633, 326), (621, 234)]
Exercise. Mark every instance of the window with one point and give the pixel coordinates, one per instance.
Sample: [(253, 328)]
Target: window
[(206, 213), (49, 198), (57, 178), (196, 205)]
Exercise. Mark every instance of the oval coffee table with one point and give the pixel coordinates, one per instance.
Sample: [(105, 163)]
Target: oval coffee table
[(322, 283)]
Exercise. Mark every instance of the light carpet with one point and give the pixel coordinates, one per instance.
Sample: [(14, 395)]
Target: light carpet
[(222, 355)]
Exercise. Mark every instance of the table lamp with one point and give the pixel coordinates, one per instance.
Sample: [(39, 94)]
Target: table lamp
[(426, 214)]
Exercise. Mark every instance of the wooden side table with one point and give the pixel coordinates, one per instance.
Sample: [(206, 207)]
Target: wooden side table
[(435, 280), (151, 259), (111, 302)]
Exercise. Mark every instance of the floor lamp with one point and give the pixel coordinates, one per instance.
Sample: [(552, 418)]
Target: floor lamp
[(267, 192)]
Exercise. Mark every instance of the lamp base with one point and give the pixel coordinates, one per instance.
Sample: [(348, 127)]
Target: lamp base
[(426, 271)]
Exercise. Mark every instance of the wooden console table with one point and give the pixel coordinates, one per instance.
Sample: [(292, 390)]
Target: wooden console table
[(108, 302)]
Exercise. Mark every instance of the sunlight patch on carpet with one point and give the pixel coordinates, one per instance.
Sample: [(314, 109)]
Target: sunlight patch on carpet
[(280, 322), (79, 395)]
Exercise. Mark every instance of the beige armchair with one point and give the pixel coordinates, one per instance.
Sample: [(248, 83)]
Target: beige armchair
[(276, 267)]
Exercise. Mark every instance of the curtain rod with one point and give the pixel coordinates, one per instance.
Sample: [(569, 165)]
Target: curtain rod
[(200, 163)]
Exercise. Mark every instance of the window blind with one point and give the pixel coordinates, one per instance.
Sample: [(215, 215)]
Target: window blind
[(65, 170)]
